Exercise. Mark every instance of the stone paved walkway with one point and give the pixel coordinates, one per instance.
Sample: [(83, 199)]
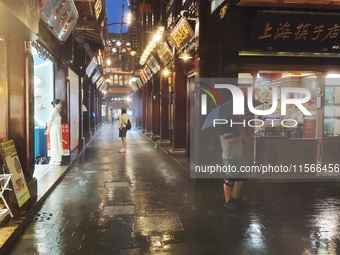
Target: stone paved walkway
[(143, 202)]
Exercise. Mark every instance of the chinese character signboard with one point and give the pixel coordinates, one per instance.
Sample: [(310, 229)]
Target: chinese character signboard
[(182, 34), (98, 7), (61, 16), (296, 31), (13, 166)]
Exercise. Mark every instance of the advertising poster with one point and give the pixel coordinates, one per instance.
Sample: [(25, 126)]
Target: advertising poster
[(10, 157), (309, 128), (65, 136)]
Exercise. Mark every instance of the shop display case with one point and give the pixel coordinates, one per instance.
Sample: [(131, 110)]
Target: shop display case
[(296, 125), (312, 138)]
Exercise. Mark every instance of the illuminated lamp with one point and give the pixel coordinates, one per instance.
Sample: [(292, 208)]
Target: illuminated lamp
[(185, 55)]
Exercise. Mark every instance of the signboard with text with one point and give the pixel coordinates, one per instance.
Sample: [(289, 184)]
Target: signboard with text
[(13, 166), (296, 31), (182, 34)]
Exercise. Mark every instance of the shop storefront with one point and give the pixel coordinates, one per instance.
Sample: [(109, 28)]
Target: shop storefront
[(280, 52), (295, 136)]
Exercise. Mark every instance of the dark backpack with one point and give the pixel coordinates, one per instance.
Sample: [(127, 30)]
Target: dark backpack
[(128, 125)]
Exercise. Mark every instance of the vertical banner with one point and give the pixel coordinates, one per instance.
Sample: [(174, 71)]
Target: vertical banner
[(10, 157), (65, 137), (309, 128)]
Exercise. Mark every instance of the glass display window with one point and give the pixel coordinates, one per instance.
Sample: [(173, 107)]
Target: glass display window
[(290, 122), (43, 89), (332, 105)]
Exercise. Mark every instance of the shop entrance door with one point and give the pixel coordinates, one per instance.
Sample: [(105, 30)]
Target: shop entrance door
[(3, 91), (43, 96)]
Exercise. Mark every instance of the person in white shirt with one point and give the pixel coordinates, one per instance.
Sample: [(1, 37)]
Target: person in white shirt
[(54, 129), (122, 130)]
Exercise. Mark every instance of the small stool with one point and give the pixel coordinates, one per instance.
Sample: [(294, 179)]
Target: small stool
[(4, 182)]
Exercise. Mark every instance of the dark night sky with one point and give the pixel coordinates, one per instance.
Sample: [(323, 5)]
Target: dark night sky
[(114, 13)]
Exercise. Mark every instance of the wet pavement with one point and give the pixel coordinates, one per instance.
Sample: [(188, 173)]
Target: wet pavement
[(143, 202)]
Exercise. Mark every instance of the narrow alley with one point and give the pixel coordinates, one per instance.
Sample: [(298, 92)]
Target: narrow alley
[(143, 202)]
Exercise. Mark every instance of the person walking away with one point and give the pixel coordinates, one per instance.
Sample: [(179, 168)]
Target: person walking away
[(122, 130), (54, 129), (232, 154)]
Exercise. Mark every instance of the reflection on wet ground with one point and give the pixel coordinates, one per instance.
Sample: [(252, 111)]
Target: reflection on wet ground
[(142, 202)]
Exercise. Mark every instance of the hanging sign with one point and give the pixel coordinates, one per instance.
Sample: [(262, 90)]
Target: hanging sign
[(182, 34), (61, 16), (12, 163), (98, 7), (143, 77), (154, 65), (164, 53), (147, 72)]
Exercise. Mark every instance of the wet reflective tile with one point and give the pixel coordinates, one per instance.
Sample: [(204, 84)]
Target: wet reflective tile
[(143, 203), (118, 210), (130, 252), (117, 184), (158, 223)]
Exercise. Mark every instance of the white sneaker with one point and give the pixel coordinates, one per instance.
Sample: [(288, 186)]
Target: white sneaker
[(54, 163)]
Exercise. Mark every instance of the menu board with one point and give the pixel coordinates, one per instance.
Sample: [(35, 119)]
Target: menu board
[(12, 163)]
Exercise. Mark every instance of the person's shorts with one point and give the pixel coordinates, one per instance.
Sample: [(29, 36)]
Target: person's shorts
[(122, 132), (230, 180)]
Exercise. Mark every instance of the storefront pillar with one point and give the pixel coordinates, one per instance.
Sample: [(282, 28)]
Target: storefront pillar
[(86, 114), (179, 130), (149, 108), (155, 107), (144, 108), (164, 110), (137, 108), (91, 108)]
